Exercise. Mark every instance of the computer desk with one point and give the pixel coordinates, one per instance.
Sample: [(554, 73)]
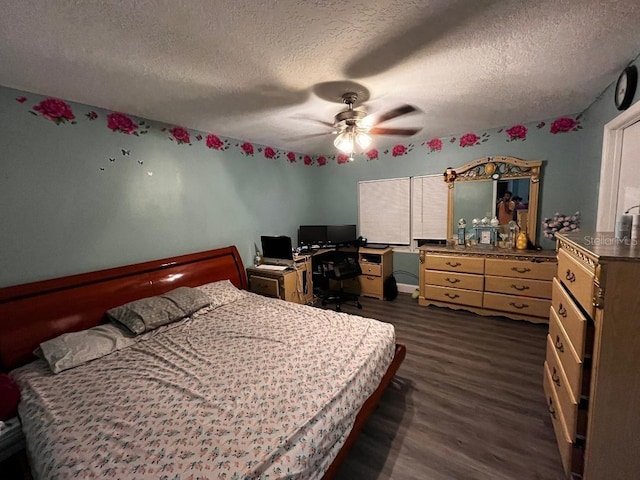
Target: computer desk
[(292, 285)]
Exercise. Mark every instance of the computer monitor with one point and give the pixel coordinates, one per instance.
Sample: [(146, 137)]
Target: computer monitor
[(312, 235), (276, 250), (338, 234)]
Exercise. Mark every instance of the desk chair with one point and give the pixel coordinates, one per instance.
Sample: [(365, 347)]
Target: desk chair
[(341, 265)]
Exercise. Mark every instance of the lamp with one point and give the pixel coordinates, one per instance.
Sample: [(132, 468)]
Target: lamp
[(346, 141)]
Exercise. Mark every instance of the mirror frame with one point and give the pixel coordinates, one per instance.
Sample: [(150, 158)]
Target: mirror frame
[(487, 168)]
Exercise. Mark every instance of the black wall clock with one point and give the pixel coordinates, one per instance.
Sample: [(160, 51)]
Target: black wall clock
[(626, 87)]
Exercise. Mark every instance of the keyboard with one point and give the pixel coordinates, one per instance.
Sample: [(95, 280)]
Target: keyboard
[(265, 266)]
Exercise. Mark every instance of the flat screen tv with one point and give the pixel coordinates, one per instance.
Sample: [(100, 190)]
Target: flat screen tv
[(340, 234), (276, 250), (312, 235)]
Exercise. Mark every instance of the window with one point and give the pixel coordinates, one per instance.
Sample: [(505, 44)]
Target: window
[(384, 210), (401, 210)]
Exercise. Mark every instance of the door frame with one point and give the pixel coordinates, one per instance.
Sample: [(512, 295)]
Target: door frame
[(610, 167)]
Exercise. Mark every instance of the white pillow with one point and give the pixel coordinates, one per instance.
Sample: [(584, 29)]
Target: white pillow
[(222, 292), (70, 350)]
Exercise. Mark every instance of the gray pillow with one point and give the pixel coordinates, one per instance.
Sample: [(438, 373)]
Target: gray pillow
[(149, 313), (73, 349)]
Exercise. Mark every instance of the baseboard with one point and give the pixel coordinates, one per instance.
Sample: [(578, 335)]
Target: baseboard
[(407, 288)]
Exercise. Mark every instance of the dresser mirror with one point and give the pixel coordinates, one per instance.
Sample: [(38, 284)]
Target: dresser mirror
[(475, 189)]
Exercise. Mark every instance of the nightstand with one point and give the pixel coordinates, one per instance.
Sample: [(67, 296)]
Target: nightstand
[(11, 438)]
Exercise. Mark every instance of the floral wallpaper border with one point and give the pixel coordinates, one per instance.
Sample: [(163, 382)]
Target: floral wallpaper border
[(61, 113)]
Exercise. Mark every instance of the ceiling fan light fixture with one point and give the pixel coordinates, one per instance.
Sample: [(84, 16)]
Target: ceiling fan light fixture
[(363, 140), (345, 142)]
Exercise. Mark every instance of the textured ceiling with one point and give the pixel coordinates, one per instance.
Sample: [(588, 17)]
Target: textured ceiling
[(266, 71)]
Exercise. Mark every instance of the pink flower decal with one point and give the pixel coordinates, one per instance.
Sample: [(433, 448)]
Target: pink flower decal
[(91, 115), (291, 157), (517, 132), (269, 153), (180, 134), (213, 141), (119, 122), (322, 161), (372, 154), (564, 124), (343, 158), (56, 110), (469, 140), (21, 99), (399, 150), (247, 148), (435, 145), (308, 160)]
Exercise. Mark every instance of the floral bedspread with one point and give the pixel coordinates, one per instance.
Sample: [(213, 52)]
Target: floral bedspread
[(258, 388)]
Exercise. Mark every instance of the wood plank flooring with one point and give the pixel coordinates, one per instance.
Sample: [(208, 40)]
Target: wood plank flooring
[(467, 403)]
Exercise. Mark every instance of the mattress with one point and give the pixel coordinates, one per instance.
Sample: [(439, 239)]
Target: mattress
[(258, 388)]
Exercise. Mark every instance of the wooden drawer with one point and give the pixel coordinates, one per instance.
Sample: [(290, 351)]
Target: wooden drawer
[(535, 307), (563, 438), (466, 281), (371, 286), (520, 269), (451, 263), (518, 286), (573, 321), (571, 363), (453, 295), (566, 402), (371, 268), (577, 278), (264, 286)]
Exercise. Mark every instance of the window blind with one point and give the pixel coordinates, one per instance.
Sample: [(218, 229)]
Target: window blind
[(429, 203), (384, 208)]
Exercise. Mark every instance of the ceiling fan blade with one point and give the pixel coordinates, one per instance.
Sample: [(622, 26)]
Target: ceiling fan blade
[(304, 137), (394, 131), (315, 120), (396, 112)]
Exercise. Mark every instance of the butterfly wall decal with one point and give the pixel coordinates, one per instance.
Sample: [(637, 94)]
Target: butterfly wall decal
[(126, 152)]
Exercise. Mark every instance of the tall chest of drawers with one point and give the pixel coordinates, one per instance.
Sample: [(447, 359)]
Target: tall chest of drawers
[(508, 283), (592, 368)]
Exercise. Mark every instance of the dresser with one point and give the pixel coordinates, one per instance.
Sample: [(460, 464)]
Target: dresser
[(512, 283), (592, 368), (292, 285)]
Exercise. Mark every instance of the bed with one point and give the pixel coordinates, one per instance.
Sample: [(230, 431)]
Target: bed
[(248, 387)]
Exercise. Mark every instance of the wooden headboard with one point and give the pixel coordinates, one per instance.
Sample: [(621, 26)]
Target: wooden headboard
[(35, 312)]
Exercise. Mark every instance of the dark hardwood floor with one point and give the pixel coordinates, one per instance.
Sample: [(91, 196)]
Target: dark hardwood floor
[(467, 403)]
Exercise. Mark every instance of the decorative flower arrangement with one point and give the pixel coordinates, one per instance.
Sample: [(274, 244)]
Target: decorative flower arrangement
[(342, 158), (372, 154), (270, 153), (308, 160), (119, 122), (517, 132), (435, 145), (469, 140), (213, 141), (55, 110), (560, 223), (247, 148), (180, 135), (291, 157), (322, 161), (564, 124)]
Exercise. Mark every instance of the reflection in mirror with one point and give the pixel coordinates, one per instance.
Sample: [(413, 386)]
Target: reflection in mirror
[(477, 188)]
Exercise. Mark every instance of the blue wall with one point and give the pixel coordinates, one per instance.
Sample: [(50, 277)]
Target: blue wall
[(66, 208)]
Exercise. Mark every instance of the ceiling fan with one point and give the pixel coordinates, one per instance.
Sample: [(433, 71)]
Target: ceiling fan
[(355, 127)]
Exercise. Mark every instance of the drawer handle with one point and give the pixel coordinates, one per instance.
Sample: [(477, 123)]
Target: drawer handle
[(452, 280), (451, 295), (570, 276), (369, 277), (555, 377), (559, 344), (454, 264), (562, 311), (520, 288), (519, 306), (521, 270), (552, 410)]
